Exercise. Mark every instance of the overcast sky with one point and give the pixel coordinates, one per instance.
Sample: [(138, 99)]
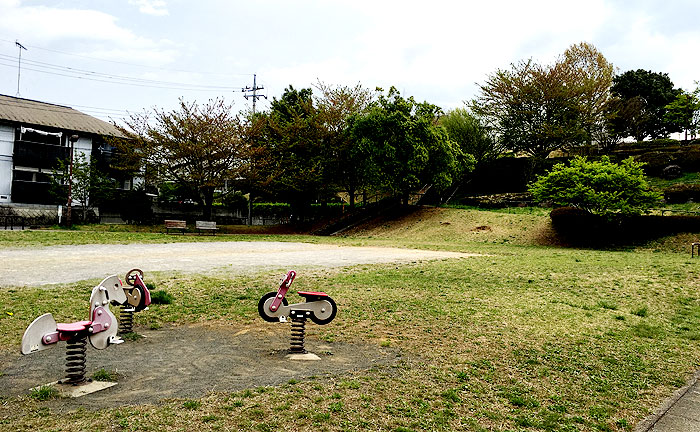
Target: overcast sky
[(81, 52)]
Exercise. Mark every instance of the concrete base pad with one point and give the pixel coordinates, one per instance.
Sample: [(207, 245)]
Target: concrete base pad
[(303, 357), (74, 391)]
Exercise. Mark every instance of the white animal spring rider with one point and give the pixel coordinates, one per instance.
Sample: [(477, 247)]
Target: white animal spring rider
[(100, 329)]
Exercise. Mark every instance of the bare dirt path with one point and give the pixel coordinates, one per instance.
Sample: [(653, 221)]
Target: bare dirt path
[(189, 362), (65, 264)]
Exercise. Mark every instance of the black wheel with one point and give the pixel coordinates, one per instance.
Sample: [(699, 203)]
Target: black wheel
[(131, 276), (327, 318), (263, 309)]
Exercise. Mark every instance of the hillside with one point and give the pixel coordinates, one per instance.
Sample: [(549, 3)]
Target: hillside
[(458, 226), (453, 228)]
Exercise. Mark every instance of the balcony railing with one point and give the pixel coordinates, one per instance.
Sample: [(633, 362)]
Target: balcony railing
[(38, 155), (32, 192)]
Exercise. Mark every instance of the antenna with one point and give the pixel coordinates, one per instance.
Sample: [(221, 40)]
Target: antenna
[(19, 62), (253, 89)]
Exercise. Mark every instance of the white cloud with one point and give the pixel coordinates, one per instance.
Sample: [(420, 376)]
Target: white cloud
[(87, 32), (435, 51), (151, 7)]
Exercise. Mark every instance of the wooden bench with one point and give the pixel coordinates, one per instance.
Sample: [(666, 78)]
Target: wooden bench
[(175, 225), (206, 226)]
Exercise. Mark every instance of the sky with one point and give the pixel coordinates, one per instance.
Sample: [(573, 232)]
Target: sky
[(109, 58)]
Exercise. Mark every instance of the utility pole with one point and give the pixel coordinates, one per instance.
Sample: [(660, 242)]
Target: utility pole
[(69, 205), (255, 94), (19, 62), (255, 97)]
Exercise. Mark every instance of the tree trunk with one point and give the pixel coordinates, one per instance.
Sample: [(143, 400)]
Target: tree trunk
[(250, 208), (208, 203)]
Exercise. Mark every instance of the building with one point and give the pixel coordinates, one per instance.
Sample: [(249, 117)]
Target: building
[(35, 135)]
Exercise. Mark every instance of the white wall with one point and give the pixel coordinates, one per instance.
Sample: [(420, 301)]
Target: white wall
[(7, 141), (83, 146)]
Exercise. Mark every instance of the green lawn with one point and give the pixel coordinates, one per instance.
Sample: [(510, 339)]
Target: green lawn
[(526, 338)]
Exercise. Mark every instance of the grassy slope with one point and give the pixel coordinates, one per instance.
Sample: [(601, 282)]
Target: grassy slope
[(526, 338)]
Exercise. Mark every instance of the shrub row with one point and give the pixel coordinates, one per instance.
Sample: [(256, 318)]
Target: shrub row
[(682, 193), (577, 227)]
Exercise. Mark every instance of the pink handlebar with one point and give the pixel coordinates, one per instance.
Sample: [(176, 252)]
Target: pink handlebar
[(282, 291)]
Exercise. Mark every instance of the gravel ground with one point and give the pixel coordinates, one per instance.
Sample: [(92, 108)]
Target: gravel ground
[(65, 264), (191, 361)]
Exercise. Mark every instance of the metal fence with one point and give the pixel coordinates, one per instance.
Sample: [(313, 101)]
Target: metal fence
[(16, 216)]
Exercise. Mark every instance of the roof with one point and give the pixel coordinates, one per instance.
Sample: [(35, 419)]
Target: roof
[(33, 112)]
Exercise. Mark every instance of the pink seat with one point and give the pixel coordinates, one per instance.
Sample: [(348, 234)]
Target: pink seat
[(73, 327), (312, 293)]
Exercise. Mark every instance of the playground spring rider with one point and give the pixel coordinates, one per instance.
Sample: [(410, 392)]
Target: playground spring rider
[(318, 307), (137, 299), (101, 330)]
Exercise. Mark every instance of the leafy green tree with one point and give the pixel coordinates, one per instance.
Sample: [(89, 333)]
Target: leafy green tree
[(590, 76), (196, 146), (473, 138), (643, 96), (337, 106), (90, 186), (684, 112), (600, 187), (289, 152), (406, 147)]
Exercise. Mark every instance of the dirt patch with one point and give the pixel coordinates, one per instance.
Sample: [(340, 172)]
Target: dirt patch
[(189, 362), (482, 228)]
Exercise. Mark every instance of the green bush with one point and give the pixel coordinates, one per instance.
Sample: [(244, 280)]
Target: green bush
[(161, 297), (599, 187), (271, 209), (235, 201)]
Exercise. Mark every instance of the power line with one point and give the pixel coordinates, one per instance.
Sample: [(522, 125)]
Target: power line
[(182, 86), (83, 72), (129, 64)]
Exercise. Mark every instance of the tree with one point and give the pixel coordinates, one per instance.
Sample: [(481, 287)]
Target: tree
[(643, 95), (288, 151), (532, 109), (90, 187), (590, 75), (337, 106), (535, 109), (684, 112), (626, 118), (406, 147), (473, 138), (600, 187), (196, 146)]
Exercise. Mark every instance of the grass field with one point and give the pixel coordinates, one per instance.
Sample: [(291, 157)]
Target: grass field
[(527, 337)]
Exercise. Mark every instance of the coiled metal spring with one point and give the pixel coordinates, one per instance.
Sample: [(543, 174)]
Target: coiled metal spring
[(126, 319), (298, 333), (75, 360)]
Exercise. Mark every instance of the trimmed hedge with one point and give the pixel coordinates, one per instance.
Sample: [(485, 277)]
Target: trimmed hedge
[(577, 227), (682, 193)]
